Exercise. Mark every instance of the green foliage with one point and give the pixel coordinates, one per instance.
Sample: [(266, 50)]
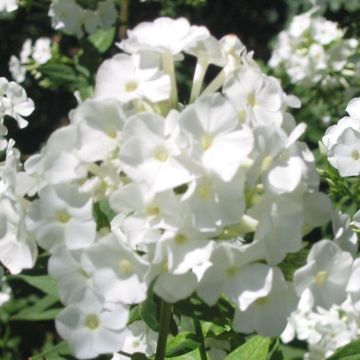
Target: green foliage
[(182, 344), (347, 352), (256, 348), (43, 282)]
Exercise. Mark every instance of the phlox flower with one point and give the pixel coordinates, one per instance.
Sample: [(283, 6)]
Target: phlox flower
[(127, 78), (326, 274), (91, 328)]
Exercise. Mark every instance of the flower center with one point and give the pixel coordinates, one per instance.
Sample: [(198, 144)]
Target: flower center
[(355, 155), (152, 210), (62, 217), (161, 154), (92, 321), (111, 134), (206, 141), (320, 278), (125, 266), (204, 191), (181, 239), (131, 86), (251, 100), (231, 271)]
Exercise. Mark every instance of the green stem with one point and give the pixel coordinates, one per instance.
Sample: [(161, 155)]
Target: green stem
[(165, 318), (124, 18), (199, 333)]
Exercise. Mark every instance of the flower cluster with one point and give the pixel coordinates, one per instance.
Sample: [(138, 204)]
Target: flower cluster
[(327, 316), (14, 103), (141, 191), (325, 330), (69, 17), (341, 142), (30, 55), (312, 50), (8, 6)]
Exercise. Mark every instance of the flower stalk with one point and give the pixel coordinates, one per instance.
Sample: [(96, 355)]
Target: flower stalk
[(165, 318)]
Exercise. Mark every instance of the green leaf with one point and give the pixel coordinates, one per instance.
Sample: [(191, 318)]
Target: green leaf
[(348, 352), (101, 219), (57, 352), (149, 311), (39, 311), (59, 73), (182, 344), (291, 352), (102, 39), (256, 348), (138, 356), (42, 282)]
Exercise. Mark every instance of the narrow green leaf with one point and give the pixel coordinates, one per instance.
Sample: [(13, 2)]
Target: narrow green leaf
[(43, 316), (348, 352), (182, 344), (40, 311), (59, 73), (149, 312), (42, 282), (256, 348), (55, 353), (102, 39)]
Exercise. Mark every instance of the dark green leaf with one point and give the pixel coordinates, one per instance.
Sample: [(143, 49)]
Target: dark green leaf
[(57, 352), (256, 348), (138, 356), (347, 352), (102, 39), (182, 344), (39, 311), (42, 282), (149, 311)]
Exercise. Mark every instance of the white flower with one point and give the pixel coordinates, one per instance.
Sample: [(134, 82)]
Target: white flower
[(163, 35), (345, 155), (127, 78), (214, 138), (119, 271), (92, 329), (99, 125), (150, 154), (138, 338), (8, 5), (72, 272), (326, 274), (107, 13), (17, 70), (256, 97), (234, 274), (62, 215), (42, 50), (66, 15), (344, 236), (14, 102), (267, 315), (353, 286)]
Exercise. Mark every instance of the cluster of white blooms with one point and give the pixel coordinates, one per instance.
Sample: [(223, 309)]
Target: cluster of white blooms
[(14, 103), (69, 17), (8, 6), (30, 54), (140, 190), (327, 316), (341, 142), (312, 50), (325, 330)]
